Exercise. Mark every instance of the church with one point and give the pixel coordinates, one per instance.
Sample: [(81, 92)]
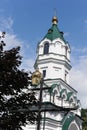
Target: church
[(60, 108)]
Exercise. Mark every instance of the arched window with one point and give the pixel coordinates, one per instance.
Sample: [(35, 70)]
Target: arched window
[(46, 48)]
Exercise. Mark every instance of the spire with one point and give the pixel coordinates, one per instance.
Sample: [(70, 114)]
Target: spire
[(54, 19)]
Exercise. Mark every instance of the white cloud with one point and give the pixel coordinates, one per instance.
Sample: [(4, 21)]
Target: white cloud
[(28, 64), (78, 77), (79, 50), (6, 24), (11, 40)]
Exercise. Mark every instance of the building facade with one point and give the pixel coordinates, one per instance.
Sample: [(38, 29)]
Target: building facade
[(61, 109)]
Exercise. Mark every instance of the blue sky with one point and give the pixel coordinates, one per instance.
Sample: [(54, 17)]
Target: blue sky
[(26, 22)]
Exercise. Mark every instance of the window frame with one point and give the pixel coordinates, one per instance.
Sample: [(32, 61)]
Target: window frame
[(44, 73), (46, 48)]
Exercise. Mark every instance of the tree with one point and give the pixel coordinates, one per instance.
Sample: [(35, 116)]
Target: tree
[(14, 90), (84, 117)]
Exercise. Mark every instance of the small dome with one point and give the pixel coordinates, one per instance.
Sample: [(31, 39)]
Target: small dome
[(36, 78), (37, 73)]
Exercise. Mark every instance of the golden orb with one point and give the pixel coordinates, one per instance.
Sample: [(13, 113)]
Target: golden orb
[(54, 20), (36, 78)]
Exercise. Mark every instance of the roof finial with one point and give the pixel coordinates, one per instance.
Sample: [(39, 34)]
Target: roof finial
[(54, 19), (55, 12)]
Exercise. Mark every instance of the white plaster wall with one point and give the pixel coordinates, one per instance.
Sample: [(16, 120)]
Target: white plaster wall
[(57, 54), (52, 70)]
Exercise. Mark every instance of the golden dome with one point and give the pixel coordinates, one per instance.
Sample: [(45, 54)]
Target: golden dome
[(36, 77)]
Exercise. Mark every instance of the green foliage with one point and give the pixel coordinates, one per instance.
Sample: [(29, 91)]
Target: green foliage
[(84, 117), (14, 92)]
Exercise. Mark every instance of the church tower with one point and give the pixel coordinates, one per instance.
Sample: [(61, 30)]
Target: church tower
[(60, 107), (53, 54)]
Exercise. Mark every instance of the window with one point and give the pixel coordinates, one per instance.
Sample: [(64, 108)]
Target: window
[(71, 100), (63, 96), (66, 75), (66, 48), (46, 48), (44, 73), (53, 97)]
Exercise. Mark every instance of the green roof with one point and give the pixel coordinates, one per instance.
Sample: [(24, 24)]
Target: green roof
[(62, 91), (52, 87), (69, 94), (68, 122), (54, 33)]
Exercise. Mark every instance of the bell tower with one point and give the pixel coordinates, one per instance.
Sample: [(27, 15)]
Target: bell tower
[(59, 106), (53, 54)]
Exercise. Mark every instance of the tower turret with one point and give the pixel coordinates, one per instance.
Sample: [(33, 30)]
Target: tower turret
[(53, 54)]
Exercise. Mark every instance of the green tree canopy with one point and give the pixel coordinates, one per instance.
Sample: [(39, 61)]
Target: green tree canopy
[(14, 91), (84, 117)]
